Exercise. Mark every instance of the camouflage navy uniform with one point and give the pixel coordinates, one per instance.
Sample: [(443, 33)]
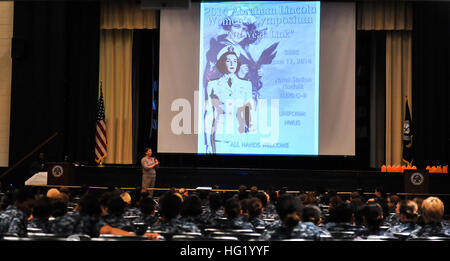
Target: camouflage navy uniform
[(85, 224), (374, 232), (404, 227), (132, 211), (63, 225), (43, 224), (197, 220), (431, 230), (270, 212), (147, 219), (258, 222), (306, 230), (176, 225), (338, 227), (335, 229), (236, 223), (392, 220), (116, 222), (211, 217), (13, 221)]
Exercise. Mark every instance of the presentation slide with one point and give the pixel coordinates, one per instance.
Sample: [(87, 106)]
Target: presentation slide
[(257, 78), (259, 71)]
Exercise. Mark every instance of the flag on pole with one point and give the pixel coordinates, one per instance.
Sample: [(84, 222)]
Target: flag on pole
[(407, 138), (100, 136)]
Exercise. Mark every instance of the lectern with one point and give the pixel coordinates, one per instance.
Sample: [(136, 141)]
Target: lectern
[(416, 181), (61, 173)]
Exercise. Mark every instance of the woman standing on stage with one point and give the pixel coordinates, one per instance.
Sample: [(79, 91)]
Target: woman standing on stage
[(148, 170)]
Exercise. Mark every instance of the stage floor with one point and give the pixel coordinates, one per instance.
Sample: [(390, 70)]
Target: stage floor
[(232, 178)]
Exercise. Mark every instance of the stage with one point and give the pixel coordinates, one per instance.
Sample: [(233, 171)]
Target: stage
[(232, 178)]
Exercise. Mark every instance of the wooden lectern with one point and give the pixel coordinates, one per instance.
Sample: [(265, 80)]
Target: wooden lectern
[(416, 181), (61, 173)]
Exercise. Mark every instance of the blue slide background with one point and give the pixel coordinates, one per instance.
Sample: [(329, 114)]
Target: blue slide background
[(288, 34)]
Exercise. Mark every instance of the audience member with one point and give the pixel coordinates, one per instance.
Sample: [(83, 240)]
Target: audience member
[(381, 199), (392, 201), (86, 215), (394, 218), (132, 209), (232, 212), (290, 227), (253, 191), (321, 195), (432, 214), (311, 214), (255, 210), (113, 208), (169, 221), (270, 211), (191, 210), (242, 192), (310, 199), (53, 193), (14, 219), (148, 211), (62, 223), (112, 220), (342, 218), (333, 201), (372, 215), (214, 211), (408, 213), (41, 212)]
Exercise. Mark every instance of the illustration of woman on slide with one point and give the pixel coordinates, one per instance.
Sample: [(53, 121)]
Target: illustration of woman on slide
[(229, 104)]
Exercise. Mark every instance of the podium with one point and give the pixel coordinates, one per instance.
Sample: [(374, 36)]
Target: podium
[(416, 181), (60, 173)]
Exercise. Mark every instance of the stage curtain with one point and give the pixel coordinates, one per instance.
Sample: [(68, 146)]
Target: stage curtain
[(54, 82), (398, 87), (126, 14), (384, 15), (145, 90), (431, 82), (116, 79), (396, 18)]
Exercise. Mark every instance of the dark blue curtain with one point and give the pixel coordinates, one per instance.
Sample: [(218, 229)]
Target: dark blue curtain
[(145, 91), (54, 86), (431, 83)]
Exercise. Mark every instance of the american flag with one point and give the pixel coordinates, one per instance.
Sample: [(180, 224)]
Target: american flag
[(100, 136)]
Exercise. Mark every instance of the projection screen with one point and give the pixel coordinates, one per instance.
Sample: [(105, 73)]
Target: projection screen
[(257, 78)]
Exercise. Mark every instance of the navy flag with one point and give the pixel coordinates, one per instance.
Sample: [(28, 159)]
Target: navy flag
[(407, 137)]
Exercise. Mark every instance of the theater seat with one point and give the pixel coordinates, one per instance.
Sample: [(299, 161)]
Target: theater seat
[(430, 239), (295, 239), (79, 237), (381, 238), (402, 235), (241, 234), (222, 238), (108, 237), (343, 235), (34, 237), (187, 237)]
